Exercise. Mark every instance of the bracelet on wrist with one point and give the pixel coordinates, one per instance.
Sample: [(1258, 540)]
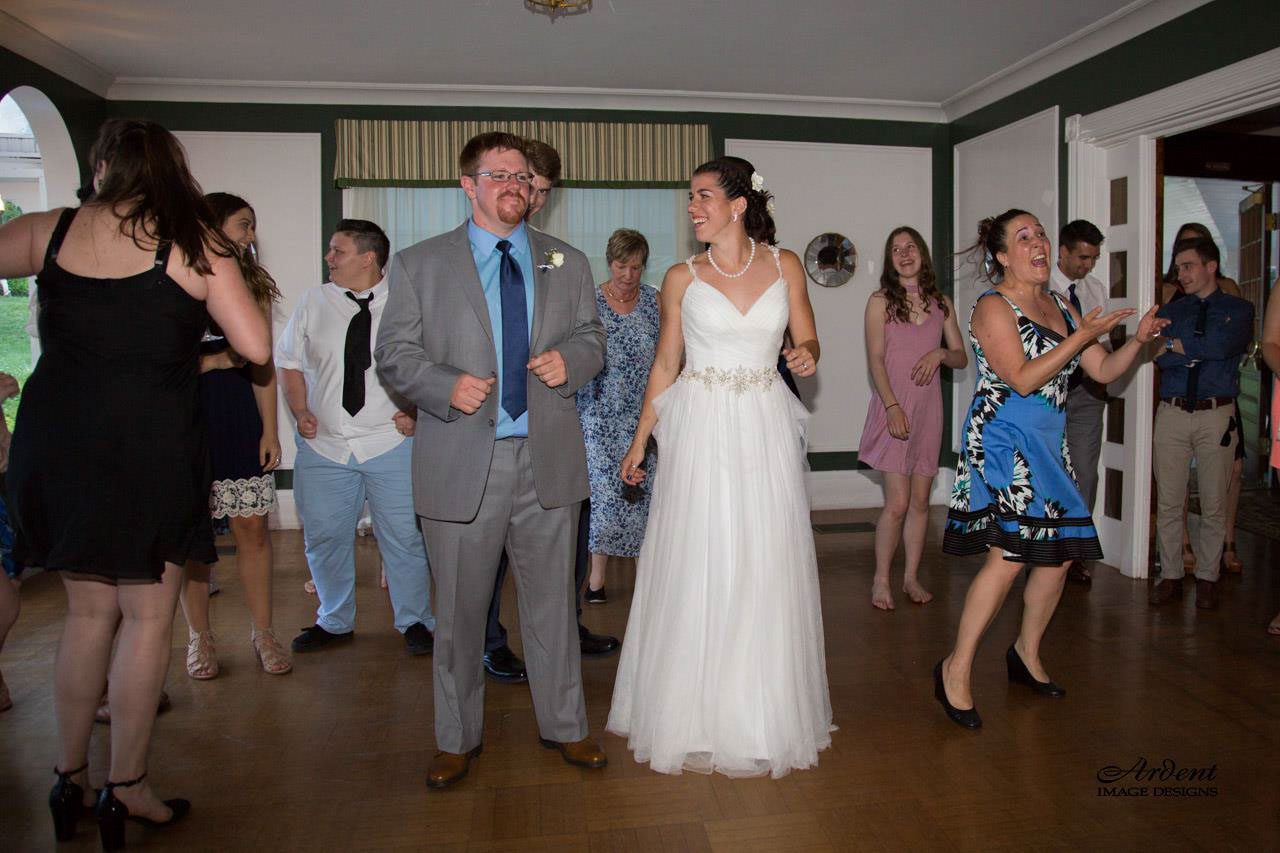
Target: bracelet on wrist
[(890, 406)]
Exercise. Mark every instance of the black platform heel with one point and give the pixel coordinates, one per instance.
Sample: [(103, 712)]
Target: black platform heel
[(66, 803), (1019, 673), (963, 717), (112, 814)]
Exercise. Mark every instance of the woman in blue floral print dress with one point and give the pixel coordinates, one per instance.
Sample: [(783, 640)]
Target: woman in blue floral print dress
[(1015, 495), (609, 406)]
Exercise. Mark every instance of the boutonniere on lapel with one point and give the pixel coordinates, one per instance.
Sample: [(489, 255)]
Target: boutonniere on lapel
[(552, 260)]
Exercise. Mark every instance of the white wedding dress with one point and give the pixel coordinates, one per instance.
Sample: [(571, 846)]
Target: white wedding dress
[(723, 667)]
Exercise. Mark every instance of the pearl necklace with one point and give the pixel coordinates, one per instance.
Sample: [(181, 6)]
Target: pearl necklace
[(611, 291), (740, 273)]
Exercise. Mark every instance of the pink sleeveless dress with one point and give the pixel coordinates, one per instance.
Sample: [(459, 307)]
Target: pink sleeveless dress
[(904, 344)]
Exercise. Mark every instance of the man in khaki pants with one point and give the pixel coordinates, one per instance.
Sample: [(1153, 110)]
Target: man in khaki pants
[(1207, 334)]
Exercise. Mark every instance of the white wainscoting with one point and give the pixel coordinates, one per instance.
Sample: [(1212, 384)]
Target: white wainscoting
[(280, 175), (862, 192)]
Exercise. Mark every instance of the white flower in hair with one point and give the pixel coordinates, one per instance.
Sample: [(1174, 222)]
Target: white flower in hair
[(757, 181), (768, 205)]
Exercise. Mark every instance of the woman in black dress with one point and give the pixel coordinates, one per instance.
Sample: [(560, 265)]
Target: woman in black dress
[(239, 405), (109, 470)]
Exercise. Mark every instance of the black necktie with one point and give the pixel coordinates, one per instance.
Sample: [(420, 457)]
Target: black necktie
[(356, 355), (1075, 300), (515, 333), (1193, 373)]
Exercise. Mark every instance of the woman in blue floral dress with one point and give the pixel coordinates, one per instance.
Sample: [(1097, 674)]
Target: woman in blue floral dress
[(609, 406), (1015, 494)]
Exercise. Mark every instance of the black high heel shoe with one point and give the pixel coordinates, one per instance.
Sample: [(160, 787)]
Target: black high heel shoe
[(967, 718), (112, 814), (66, 803), (1018, 672)]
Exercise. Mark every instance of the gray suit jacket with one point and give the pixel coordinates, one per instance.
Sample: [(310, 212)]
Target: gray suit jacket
[(436, 327)]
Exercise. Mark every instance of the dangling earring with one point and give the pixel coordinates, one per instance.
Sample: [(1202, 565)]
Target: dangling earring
[(735, 217)]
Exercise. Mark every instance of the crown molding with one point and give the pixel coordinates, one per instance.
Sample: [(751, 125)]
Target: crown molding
[(1105, 33), (34, 45), (539, 97)]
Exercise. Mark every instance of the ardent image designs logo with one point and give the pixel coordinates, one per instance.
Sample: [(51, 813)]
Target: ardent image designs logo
[(1166, 779)]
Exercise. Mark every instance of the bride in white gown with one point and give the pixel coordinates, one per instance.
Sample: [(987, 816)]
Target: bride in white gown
[(723, 668)]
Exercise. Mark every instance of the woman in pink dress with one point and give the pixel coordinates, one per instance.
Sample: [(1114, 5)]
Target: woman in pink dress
[(906, 320), (1271, 355)]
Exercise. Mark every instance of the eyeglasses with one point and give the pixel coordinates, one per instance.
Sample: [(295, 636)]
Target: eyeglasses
[(501, 176)]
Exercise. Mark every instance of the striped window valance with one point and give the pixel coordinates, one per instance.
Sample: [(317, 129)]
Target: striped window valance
[(594, 154)]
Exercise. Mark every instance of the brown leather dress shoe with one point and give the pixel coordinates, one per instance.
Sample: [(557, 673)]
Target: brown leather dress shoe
[(583, 753), (1165, 590), (1206, 594), (449, 767)]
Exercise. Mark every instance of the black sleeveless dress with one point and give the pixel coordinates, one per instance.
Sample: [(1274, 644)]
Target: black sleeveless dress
[(109, 470)]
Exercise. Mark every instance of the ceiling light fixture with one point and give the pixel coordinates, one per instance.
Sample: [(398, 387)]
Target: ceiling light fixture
[(554, 9)]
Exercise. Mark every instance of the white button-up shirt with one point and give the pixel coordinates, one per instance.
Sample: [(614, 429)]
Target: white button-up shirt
[(314, 343), (1091, 292)]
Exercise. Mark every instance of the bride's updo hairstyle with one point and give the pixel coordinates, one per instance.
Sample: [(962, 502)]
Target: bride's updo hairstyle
[(990, 243), (734, 175)]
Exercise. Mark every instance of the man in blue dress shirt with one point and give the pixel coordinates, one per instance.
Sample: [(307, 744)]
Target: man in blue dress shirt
[(1207, 334)]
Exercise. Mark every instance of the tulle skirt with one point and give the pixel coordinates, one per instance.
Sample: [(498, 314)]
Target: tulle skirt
[(723, 667)]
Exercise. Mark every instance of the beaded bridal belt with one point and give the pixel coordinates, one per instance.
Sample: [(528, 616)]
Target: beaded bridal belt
[(737, 379)]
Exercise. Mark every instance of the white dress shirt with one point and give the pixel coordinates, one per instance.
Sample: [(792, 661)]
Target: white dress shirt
[(1091, 292), (314, 342)]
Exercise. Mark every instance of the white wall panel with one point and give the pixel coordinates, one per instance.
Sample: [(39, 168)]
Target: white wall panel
[(863, 192), (1014, 166)]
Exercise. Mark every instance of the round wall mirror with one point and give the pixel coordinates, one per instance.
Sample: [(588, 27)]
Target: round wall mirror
[(831, 259)]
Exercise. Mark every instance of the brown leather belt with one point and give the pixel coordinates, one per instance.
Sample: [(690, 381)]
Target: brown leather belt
[(1198, 405)]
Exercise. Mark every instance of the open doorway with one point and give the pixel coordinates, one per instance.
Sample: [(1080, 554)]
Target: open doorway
[(1226, 176)]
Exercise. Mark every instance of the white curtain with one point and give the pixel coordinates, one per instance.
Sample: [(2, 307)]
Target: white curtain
[(582, 217)]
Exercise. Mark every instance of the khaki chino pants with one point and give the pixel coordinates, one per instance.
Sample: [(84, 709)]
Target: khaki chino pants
[(1180, 437)]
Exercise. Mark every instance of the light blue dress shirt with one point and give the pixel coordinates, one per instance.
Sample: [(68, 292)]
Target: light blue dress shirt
[(484, 248)]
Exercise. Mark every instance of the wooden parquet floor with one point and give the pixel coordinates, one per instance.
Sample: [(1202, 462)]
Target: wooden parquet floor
[(333, 756)]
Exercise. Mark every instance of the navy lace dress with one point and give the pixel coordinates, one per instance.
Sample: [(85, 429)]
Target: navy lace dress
[(1015, 488)]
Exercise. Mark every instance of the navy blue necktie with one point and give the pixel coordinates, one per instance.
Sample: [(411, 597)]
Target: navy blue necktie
[(515, 334), (1075, 300)]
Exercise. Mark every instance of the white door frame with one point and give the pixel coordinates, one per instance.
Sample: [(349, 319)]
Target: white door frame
[(1233, 90)]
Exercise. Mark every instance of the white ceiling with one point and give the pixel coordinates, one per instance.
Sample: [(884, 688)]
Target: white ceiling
[(916, 51)]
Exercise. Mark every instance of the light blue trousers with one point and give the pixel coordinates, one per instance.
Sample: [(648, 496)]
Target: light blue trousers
[(329, 496)]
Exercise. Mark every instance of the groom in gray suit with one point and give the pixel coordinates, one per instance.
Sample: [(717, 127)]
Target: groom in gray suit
[(490, 329)]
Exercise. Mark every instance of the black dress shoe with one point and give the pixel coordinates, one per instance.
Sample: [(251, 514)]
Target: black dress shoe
[(1079, 573), (66, 803), (315, 638), (968, 718), (596, 596), (418, 639), (1018, 672), (595, 645), (501, 664)]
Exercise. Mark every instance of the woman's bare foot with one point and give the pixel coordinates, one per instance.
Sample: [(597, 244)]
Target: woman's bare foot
[(916, 592), (1274, 628), (881, 597)]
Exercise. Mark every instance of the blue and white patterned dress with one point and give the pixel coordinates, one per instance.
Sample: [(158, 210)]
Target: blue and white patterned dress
[(609, 406), (1015, 488)]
